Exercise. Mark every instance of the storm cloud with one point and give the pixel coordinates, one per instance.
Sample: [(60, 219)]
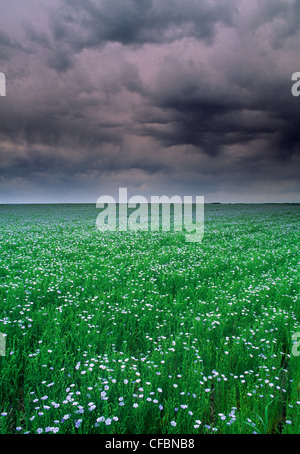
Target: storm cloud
[(163, 97)]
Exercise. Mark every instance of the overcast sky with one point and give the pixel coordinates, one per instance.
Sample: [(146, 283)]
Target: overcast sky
[(164, 97)]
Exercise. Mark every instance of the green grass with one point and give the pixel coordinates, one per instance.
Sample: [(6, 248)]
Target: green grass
[(123, 332)]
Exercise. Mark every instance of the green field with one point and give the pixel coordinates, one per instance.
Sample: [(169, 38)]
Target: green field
[(144, 333)]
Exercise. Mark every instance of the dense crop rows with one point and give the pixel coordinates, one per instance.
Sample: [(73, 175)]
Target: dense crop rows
[(145, 333)]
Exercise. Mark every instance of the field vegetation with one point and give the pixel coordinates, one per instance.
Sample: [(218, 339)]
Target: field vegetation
[(144, 333)]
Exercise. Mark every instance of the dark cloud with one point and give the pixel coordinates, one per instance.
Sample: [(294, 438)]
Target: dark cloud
[(136, 22), (170, 95), (8, 47)]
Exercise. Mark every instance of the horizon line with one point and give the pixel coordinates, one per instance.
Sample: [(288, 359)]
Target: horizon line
[(94, 203)]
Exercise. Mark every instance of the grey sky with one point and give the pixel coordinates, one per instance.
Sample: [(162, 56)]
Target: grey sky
[(162, 97)]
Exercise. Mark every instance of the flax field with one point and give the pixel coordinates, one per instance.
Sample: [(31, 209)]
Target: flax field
[(144, 333)]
